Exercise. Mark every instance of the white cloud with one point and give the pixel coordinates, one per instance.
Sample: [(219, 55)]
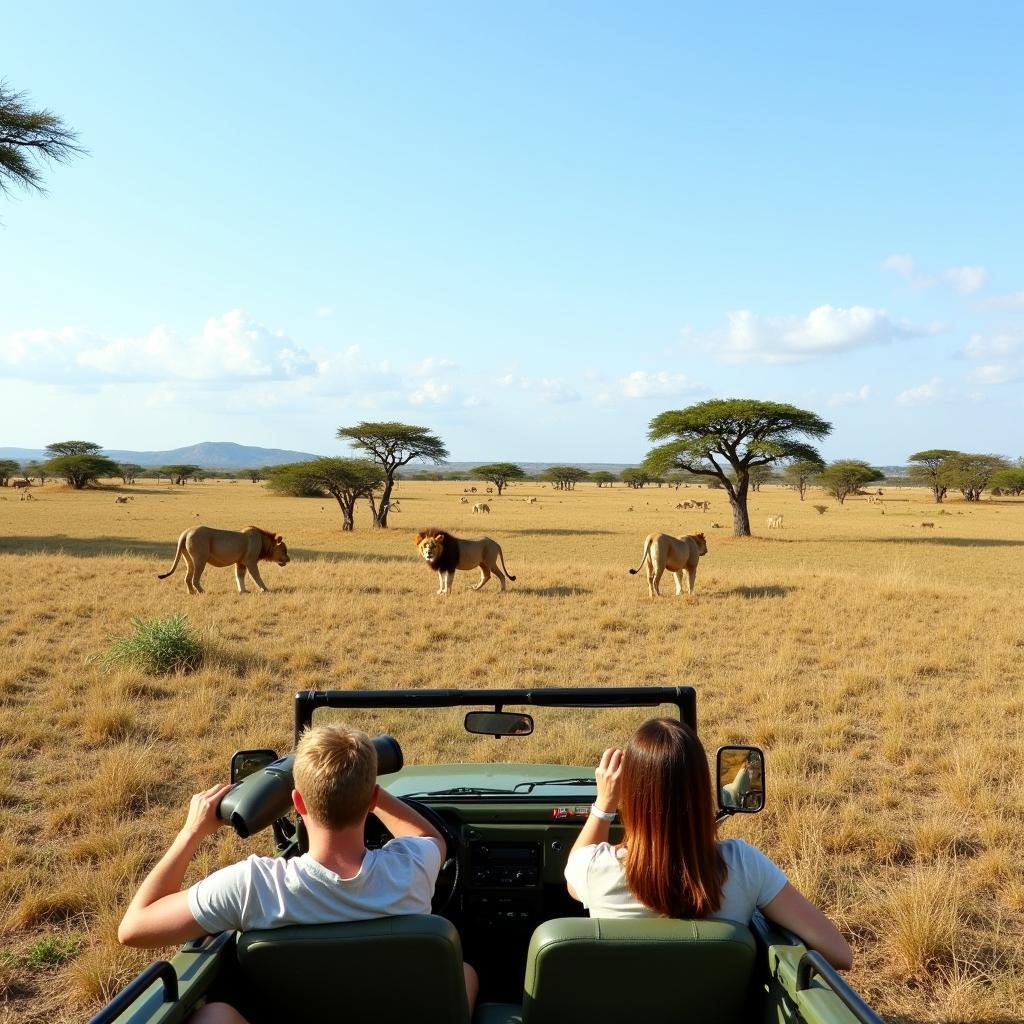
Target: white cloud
[(230, 347), (985, 346), (862, 394), (1015, 300), (922, 394), (430, 366), (551, 390), (754, 337), (641, 384), (965, 280), (325, 312), (995, 373), (431, 392)]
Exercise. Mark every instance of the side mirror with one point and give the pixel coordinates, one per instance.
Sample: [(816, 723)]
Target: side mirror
[(740, 780), (498, 723), (245, 762)]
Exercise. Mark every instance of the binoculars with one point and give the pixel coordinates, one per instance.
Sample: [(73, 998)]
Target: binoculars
[(266, 795)]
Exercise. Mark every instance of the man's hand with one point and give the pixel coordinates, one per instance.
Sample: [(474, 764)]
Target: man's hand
[(202, 819), (608, 775)]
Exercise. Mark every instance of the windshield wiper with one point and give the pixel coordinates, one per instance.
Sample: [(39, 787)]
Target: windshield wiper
[(459, 791), (528, 787)]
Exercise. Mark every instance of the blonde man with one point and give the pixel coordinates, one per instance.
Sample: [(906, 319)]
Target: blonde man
[(337, 880)]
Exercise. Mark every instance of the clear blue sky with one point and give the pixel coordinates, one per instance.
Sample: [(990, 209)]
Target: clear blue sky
[(529, 226)]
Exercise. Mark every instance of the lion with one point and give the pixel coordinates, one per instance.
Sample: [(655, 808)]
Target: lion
[(203, 545), (445, 553), (662, 551)]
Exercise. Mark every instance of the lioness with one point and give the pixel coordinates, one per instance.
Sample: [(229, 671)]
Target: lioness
[(662, 552), (445, 553), (203, 545)]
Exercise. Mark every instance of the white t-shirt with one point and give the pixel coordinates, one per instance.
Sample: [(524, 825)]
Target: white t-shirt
[(270, 892), (598, 875)]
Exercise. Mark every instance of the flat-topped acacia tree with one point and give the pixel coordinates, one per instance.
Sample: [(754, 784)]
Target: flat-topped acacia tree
[(499, 473), (712, 438), (393, 445)]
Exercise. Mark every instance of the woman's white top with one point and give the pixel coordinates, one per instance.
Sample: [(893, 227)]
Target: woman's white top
[(598, 875)]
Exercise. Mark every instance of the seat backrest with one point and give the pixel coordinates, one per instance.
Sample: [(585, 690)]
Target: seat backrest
[(392, 970), (649, 970)]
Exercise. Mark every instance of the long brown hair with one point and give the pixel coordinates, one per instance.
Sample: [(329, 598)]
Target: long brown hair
[(673, 864)]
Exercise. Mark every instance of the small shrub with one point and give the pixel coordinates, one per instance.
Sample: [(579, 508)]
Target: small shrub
[(820, 509), (157, 646), (49, 951)]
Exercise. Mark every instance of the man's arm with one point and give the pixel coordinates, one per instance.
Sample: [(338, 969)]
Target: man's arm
[(158, 914), (401, 820)]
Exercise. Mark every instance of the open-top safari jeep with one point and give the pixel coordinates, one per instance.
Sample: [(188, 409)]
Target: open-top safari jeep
[(501, 901)]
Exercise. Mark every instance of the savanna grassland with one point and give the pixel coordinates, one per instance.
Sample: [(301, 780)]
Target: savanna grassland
[(877, 662)]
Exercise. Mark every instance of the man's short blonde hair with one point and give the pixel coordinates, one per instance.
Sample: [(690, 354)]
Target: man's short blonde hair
[(335, 771)]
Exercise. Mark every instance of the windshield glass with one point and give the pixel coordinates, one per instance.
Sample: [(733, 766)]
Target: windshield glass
[(567, 742)]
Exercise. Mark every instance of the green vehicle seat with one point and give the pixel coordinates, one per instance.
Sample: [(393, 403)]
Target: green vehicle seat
[(393, 970), (638, 971)]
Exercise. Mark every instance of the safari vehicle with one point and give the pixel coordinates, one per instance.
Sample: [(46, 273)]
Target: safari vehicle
[(501, 900)]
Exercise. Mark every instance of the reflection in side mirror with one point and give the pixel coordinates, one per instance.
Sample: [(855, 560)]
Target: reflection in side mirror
[(245, 762), (740, 783), (498, 723)]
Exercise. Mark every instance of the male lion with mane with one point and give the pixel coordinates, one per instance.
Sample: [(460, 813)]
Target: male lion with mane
[(445, 553), (203, 545), (662, 551)]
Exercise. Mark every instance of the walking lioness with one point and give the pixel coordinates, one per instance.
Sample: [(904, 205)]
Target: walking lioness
[(662, 551), (445, 553), (203, 545)]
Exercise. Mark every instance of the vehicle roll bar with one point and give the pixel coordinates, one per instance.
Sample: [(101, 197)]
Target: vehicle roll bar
[(813, 964), (161, 970), (683, 697)]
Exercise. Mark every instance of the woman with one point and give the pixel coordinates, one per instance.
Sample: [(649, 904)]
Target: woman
[(670, 862)]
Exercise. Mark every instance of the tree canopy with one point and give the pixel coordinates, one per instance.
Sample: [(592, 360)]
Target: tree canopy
[(499, 473), (565, 478), (80, 470), (8, 468), (799, 473), (634, 476), (392, 445), (1009, 480), (925, 468), (845, 476), (722, 434), (602, 477), (30, 139), (346, 480), (180, 472), (129, 471), (59, 448), (970, 473)]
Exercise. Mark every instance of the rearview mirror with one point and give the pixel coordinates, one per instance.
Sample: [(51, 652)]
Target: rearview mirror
[(498, 723), (245, 762), (740, 785)]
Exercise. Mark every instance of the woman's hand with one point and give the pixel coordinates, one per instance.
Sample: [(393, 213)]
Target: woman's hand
[(608, 776)]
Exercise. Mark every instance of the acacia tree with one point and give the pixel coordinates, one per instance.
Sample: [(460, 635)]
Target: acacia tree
[(926, 467), (8, 468), (80, 470), (36, 469), (129, 471), (635, 477), (499, 473), (1008, 481), (799, 474), (711, 438), (181, 472), (602, 477), (61, 448), (29, 138), (393, 445), (845, 476), (564, 478), (970, 473), (345, 480), (760, 475)]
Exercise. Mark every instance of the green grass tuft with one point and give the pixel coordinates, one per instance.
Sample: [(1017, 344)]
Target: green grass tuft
[(157, 646)]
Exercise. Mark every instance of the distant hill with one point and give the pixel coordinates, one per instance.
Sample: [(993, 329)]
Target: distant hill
[(206, 454)]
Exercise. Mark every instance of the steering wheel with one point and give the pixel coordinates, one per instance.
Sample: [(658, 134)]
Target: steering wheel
[(376, 835)]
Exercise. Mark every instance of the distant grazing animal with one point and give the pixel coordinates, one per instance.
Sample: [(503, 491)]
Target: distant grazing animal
[(530, 501), (463, 501), (203, 545), (676, 554), (775, 522), (481, 506), (17, 484), (27, 496), (717, 526), (122, 499), (685, 504), (445, 553), (927, 526), (702, 504), (490, 490), (472, 490)]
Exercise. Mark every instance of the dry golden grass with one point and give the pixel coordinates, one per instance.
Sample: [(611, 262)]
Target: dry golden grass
[(878, 663)]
